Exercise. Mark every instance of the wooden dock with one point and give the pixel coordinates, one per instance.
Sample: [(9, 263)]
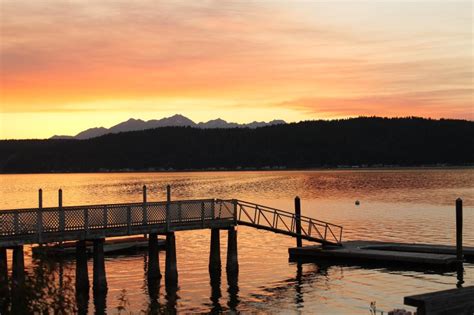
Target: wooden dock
[(370, 251), (456, 301), (112, 246), (83, 229)]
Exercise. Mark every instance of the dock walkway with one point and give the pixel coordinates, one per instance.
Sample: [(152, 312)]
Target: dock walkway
[(46, 225), (458, 301), (371, 251)]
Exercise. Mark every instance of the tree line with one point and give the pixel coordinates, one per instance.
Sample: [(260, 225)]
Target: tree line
[(363, 141)]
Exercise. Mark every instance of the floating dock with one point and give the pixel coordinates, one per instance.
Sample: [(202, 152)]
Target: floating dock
[(455, 301), (371, 251), (111, 247)]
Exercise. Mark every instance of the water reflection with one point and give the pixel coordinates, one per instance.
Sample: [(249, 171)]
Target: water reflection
[(421, 186), (45, 290), (171, 297), (460, 275), (49, 288), (233, 290), (82, 301), (4, 290), (100, 301), (395, 205), (154, 286), (298, 286), (216, 294)]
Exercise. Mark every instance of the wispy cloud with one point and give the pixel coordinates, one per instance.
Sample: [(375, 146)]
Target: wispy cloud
[(338, 59), (426, 103)]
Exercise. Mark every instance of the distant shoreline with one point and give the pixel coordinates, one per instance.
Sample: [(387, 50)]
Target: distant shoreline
[(360, 143), (264, 169)]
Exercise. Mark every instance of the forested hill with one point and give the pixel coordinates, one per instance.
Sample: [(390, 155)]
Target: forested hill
[(358, 141)]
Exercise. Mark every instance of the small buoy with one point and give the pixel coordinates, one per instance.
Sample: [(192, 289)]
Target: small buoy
[(357, 202)]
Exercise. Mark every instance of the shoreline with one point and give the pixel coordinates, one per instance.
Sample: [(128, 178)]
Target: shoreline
[(261, 169)]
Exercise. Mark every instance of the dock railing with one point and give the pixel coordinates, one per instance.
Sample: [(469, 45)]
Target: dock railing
[(284, 222), (41, 225)]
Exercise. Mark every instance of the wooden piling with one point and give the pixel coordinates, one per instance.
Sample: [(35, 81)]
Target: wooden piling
[(233, 291), (3, 272), (100, 279), (153, 257), (299, 241), (18, 296), (215, 251), (100, 302), (82, 302), (232, 265), (18, 266), (171, 268), (459, 253), (216, 294), (82, 273)]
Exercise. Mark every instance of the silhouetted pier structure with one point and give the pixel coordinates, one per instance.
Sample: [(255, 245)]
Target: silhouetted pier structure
[(390, 252), (97, 222), (455, 301), (94, 223)]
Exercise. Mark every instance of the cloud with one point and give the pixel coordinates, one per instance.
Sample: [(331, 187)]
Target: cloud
[(451, 103), (326, 60)]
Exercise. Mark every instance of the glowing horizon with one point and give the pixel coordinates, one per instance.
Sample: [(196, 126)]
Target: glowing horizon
[(71, 66)]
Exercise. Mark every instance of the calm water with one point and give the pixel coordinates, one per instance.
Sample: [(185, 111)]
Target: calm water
[(396, 205)]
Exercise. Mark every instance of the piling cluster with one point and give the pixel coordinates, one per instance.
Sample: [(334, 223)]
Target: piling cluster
[(99, 278)]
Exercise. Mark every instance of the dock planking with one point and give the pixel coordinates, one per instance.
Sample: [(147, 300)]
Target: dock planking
[(455, 301), (369, 251), (415, 247), (112, 246)]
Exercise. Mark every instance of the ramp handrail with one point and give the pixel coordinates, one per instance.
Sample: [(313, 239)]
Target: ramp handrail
[(281, 221)]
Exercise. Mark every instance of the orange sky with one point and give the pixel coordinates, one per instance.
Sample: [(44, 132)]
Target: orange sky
[(69, 66)]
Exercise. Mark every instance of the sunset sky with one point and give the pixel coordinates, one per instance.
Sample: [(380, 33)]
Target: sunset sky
[(66, 66)]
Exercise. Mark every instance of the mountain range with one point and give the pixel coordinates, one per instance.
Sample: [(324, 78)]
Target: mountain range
[(173, 121)]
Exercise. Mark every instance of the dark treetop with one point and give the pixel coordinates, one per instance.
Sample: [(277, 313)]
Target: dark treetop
[(358, 141)]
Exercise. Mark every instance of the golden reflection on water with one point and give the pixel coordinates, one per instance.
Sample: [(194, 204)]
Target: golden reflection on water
[(406, 205)]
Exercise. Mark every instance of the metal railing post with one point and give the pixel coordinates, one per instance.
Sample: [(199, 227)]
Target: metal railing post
[(235, 211), (129, 220), (299, 241), (168, 201), (61, 211), (459, 249), (213, 209), (105, 217), (202, 214), (39, 219), (145, 210), (86, 221), (16, 222)]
